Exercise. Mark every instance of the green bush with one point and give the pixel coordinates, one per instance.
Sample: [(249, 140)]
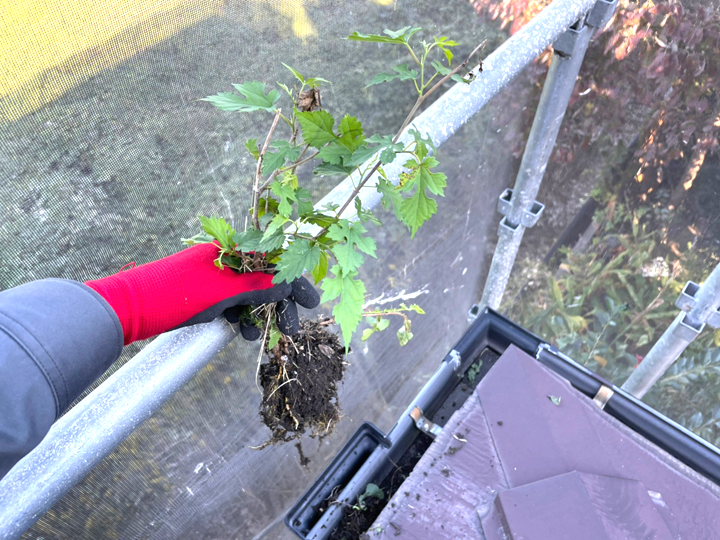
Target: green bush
[(606, 307)]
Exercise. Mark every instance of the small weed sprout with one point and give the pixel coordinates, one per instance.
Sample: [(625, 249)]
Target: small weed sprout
[(474, 371), (371, 491)]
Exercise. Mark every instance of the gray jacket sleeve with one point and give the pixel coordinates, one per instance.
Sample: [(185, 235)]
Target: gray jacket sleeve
[(56, 338)]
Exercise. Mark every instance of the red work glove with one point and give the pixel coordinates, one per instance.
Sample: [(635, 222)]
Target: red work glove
[(187, 288)]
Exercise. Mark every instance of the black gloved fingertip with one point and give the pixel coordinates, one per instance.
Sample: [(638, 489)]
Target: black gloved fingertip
[(305, 294), (288, 320), (232, 314), (250, 333)]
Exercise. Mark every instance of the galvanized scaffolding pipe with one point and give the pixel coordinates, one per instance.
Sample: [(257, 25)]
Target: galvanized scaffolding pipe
[(699, 305), (518, 205), (98, 424)]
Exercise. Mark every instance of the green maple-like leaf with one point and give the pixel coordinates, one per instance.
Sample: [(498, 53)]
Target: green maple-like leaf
[(274, 237), (350, 236), (289, 193), (291, 180), (404, 33), (351, 133), (334, 154), (365, 215), (391, 36), (271, 242), (304, 202), (298, 256), (391, 197), (252, 147), (422, 145), (248, 240), (404, 336), (384, 146), (312, 82), (442, 70), (286, 194), (379, 325), (359, 156), (401, 72), (220, 230), (347, 257), (200, 238), (272, 209), (362, 154), (444, 44), (330, 169), (254, 98), (295, 72), (389, 147), (388, 155), (317, 127), (321, 268), (418, 208), (274, 160), (275, 224), (347, 312), (318, 218)]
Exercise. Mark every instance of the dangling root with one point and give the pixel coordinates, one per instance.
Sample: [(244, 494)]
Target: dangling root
[(269, 310)]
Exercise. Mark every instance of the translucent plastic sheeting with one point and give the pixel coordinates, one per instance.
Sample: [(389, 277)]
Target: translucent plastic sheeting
[(108, 158)]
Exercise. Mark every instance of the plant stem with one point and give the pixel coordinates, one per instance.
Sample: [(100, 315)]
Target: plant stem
[(258, 169), (298, 235), (432, 78), (269, 181), (435, 87), (331, 320), (287, 120), (409, 117), (380, 313), (413, 54), (268, 315), (274, 175), (310, 158), (352, 195), (294, 135)]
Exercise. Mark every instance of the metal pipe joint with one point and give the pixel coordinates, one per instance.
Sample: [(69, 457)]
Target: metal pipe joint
[(699, 305)]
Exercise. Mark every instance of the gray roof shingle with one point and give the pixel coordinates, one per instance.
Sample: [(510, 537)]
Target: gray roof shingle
[(519, 435)]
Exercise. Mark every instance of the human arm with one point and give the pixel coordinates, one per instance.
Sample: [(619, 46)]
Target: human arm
[(58, 336)]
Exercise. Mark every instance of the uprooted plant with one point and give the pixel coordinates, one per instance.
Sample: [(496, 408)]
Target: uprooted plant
[(285, 233)]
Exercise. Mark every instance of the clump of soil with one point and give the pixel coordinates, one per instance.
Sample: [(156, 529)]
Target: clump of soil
[(300, 383)]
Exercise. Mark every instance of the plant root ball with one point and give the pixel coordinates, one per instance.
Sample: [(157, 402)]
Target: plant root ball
[(300, 384)]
